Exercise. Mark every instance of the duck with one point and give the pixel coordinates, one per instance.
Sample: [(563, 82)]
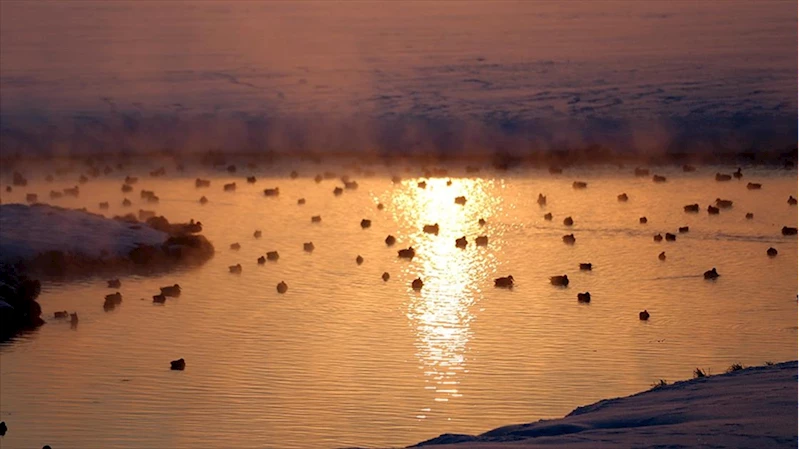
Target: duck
[(723, 204), (308, 247), (159, 299), (114, 283), (350, 185), (787, 230), (431, 229), (417, 284), (504, 282), (61, 315), (548, 216), (559, 280), (722, 177), (579, 185), (74, 191), (229, 187), (555, 170), (127, 188), (771, 252), (643, 220), (791, 200), (73, 319), (568, 221), (542, 200), (662, 255), (131, 180), (318, 178), (569, 239), (658, 179), (146, 194), (359, 260), (643, 316), (54, 195), (390, 240), (753, 186), (316, 219), (294, 174), (104, 205), (712, 210), (658, 238), (251, 179), (750, 215), (586, 266), (32, 198), (421, 184), (688, 168), (460, 200), (641, 172), (396, 179), (366, 223), (683, 229), (171, 290), (272, 255), (203, 200), (261, 260), (272, 192), (461, 242), (257, 233), (235, 269), (231, 169), (198, 183), (584, 297), (622, 197), (386, 276), (235, 246), (301, 201), (691, 208), (177, 365), (282, 287), (407, 253), (83, 179), (126, 203), (711, 274), (671, 237), (112, 300), (738, 174), (338, 191), (380, 206), (481, 240)]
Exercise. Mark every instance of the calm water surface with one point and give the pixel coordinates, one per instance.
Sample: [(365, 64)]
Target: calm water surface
[(346, 359)]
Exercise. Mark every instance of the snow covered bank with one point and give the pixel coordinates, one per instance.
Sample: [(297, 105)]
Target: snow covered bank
[(754, 407), (53, 240)]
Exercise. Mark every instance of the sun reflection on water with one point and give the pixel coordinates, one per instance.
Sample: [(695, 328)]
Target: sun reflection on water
[(441, 313)]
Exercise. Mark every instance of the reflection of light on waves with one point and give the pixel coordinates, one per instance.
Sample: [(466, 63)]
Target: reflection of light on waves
[(452, 277)]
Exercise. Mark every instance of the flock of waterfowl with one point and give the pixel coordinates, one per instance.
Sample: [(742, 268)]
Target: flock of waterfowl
[(114, 299)]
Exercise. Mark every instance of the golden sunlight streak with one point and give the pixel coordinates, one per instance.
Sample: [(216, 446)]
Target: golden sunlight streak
[(442, 311)]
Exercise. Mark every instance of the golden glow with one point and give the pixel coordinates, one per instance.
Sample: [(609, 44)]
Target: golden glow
[(442, 311)]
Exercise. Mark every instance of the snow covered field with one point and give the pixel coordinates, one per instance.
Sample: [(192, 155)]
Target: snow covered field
[(750, 408)]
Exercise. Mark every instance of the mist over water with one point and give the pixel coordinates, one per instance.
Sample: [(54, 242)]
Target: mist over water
[(396, 78)]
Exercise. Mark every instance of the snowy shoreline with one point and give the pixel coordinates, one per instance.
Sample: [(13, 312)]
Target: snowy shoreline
[(752, 407), (51, 240)]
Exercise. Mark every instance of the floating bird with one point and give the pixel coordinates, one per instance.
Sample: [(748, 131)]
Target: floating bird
[(568, 221), (417, 284), (359, 260), (579, 185), (171, 290), (408, 253), (586, 266), (272, 255), (750, 215), (691, 208), (431, 229), (542, 200), (623, 197), (786, 230), (308, 247), (642, 220), (738, 174), (723, 204), (282, 287), (261, 260), (753, 186), (257, 234), (722, 177), (548, 216), (386, 276), (569, 239), (658, 179), (460, 200), (584, 297), (791, 200), (658, 238), (229, 187), (559, 280), (390, 240), (711, 274), (643, 316), (461, 242), (366, 223), (505, 282), (272, 192), (235, 246), (683, 229), (712, 210), (481, 240), (177, 365), (662, 255), (159, 299), (301, 201), (235, 269), (670, 237), (316, 219), (772, 252), (251, 179)]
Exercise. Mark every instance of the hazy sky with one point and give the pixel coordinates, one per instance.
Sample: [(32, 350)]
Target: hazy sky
[(485, 62)]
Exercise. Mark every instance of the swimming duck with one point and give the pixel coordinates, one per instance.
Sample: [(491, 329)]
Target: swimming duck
[(366, 223), (460, 200), (643, 316), (772, 252), (711, 274), (272, 255), (586, 266), (417, 284), (171, 290), (461, 242), (622, 197), (308, 247), (642, 220), (569, 239), (177, 365), (559, 280), (542, 200), (568, 221), (662, 255), (504, 282), (229, 187), (282, 287), (658, 179), (691, 208), (481, 240), (235, 269), (584, 297)]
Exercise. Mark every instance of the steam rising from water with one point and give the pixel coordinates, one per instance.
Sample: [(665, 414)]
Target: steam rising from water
[(451, 78)]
